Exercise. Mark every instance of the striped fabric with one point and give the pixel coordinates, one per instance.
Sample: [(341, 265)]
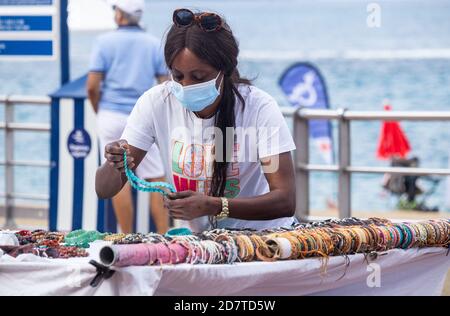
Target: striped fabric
[(73, 201)]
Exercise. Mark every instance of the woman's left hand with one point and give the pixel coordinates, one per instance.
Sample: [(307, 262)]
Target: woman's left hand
[(187, 205)]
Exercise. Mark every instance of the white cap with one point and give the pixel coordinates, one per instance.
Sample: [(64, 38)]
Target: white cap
[(132, 7)]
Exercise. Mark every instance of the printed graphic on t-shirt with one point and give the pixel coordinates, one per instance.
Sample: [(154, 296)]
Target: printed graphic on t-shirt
[(192, 168)]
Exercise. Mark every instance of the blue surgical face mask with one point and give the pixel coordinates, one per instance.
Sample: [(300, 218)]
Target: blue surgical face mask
[(196, 97)]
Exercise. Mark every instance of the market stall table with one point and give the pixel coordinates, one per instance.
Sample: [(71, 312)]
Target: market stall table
[(401, 272)]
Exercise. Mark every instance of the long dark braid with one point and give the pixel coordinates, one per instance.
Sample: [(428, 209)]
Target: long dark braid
[(226, 118)]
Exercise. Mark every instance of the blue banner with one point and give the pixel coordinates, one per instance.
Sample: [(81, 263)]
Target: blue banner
[(26, 2), (304, 86), (25, 23), (26, 48)]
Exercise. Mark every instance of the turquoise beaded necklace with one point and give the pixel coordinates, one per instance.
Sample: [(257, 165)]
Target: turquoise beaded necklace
[(82, 238), (143, 185)]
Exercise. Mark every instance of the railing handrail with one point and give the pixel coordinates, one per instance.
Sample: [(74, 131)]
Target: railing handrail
[(334, 114), (10, 127), (26, 196), (382, 170), (25, 99), (28, 127), (344, 168), (26, 163)]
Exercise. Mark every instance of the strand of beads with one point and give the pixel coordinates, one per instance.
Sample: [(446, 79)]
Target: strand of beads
[(66, 252), (143, 185), (115, 238)]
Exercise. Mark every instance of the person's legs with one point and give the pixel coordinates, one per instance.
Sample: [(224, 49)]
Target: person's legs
[(110, 126), (123, 208), (159, 213), (151, 168), (411, 188)]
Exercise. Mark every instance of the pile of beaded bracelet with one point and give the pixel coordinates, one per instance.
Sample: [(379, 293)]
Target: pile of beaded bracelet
[(114, 237), (246, 248), (215, 252), (38, 235), (135, 238), (66, 252), (442, 228), (49, 243), (420, 233), (230, 248), (24, 237), (431, 233), (154, 238), (321, 239), (197, 252), (27, 237)]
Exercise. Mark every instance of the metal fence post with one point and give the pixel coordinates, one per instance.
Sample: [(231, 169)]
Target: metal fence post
[(344, 190), (301, 158), (9, 168)]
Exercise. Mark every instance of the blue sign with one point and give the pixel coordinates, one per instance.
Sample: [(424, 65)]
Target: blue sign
[(79, 143), (304, 86), (26, 48), (26, 2), (25, 23), (28, 29)]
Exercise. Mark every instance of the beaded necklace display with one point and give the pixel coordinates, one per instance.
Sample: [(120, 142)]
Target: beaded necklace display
[(320, 239), (325, 239)]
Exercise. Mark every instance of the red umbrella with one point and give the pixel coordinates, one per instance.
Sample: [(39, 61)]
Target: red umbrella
[(393, 142)]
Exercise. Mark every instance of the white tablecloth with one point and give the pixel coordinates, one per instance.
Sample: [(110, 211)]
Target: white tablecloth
[(401, 272)]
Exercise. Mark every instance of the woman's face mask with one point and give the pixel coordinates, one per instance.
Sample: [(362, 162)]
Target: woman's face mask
[(198, 96)]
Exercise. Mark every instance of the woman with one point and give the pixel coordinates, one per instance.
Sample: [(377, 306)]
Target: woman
[(207, 121)]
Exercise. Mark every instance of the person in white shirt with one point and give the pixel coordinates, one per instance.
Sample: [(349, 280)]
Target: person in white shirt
[(224, 143)]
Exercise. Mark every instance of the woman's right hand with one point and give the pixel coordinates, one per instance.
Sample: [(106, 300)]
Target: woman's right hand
[(114, 155)]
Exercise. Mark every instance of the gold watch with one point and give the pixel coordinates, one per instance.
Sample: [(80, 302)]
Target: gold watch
[(225, 211)]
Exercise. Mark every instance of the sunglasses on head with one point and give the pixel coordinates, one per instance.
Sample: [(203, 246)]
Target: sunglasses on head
[(208, 22)]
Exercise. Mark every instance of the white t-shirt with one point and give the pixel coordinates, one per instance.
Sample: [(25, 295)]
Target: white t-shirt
[(186, 144)]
